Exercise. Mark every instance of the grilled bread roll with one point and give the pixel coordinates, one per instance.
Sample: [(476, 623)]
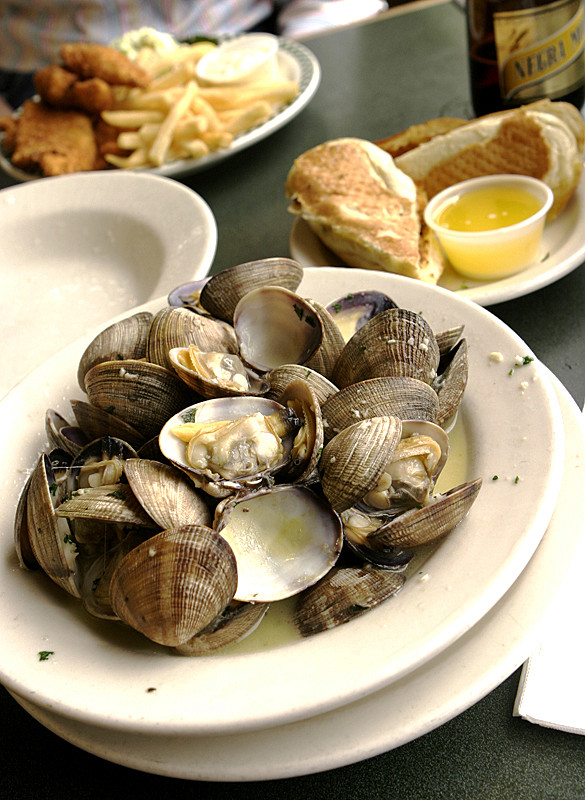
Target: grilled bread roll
[(545, 140), (362, 207)]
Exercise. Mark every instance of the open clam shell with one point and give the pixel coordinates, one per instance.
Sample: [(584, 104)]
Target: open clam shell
[(274, 326), (234, 623), (95, 423), (353, 461), (50, 537), (280, 377), (179, 327), (212, 374), (284, 540), (332, 343), (308, 442), (223, 291), (235, 456), (429, 523), (173, 585), (352, 311)]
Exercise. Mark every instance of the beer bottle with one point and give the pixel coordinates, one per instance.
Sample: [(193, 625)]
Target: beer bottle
[(525, 50)]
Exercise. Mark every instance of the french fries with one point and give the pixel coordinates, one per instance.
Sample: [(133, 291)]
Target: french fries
[(176, 117)]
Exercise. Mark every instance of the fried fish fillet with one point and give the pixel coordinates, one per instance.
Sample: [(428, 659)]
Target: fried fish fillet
[(88, 60), (61, 88), (53, 141)]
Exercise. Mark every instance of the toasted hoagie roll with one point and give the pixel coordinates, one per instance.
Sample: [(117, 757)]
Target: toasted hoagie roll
[(545, 140)]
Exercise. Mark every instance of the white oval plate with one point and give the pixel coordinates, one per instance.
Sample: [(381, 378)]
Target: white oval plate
[(410, 707), (563, 250), (513, 430), (76, 250), (296, 62)]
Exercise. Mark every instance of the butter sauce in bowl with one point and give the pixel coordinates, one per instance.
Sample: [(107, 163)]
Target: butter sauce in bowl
[(490, 227)]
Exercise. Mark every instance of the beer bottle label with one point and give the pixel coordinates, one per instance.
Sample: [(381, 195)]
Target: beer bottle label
[(540, 51)]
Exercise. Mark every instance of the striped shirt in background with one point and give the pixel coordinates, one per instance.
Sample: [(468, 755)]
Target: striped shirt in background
[(32, 30)]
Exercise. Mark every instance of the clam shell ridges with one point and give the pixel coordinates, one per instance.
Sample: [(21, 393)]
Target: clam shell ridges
[(173, 585), (395, 342)]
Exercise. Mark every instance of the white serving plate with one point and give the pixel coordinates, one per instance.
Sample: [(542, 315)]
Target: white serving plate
[(79, 249), (562, 250), (296, 63), (410, 707), (513, 429)]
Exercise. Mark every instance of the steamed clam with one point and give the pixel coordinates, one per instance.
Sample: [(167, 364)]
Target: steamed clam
[(244, 446)]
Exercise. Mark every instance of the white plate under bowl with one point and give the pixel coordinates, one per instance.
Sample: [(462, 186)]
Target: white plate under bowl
[(562, 250), (79, 249), (513, 430), (410, 707), (296, 63)]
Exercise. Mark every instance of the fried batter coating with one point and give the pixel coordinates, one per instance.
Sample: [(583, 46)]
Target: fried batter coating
[(53, 140), (88, 60), (61, 88)]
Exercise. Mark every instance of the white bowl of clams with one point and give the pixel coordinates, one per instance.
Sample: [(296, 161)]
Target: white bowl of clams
[(280, 542)]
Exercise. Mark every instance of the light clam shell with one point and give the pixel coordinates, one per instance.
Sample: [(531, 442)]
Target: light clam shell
[(95, 423), (236, 622), (352, 462), (121, 340), (299, 396), (61, 434), (280, 377), (451, 383), (342, 595), (402, 397), (50, 540), (221, 408), (144, 395), (275, 326), (424, 525), (332, 343), (209, 388), (179, 327), (166, 494), (284, 540), (108, 503), (173, 585), (223, 291), (394, 342)]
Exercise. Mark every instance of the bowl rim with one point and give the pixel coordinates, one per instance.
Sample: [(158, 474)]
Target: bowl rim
[(463, 187)]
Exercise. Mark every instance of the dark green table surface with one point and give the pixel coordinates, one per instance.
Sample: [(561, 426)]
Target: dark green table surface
[(377, 79)]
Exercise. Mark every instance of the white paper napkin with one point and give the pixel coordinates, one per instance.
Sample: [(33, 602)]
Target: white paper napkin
[(551, 691)]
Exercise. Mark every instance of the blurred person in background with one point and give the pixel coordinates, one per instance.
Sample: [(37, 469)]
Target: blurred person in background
[(33, 30)]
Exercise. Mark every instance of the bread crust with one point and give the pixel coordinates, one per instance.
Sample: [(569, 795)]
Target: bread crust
[(544, 140), (360, 205)]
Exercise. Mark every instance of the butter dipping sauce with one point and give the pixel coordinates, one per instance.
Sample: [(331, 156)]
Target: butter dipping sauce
[(490, 227)]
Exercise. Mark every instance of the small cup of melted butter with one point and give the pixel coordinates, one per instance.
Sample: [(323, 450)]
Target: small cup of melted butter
[(490, 227)]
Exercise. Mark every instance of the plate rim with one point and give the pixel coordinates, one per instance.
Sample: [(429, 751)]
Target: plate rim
[(379, 674)]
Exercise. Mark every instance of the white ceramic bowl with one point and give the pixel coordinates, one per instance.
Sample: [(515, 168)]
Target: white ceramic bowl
[(245, 59), (78, 249), (496, 253)]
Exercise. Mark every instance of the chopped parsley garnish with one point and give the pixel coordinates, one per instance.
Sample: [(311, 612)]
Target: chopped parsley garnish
[(117, 494), (189, 416), (44, 655)]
